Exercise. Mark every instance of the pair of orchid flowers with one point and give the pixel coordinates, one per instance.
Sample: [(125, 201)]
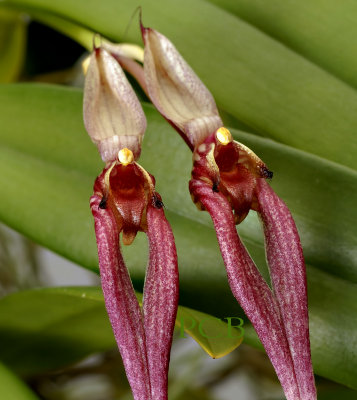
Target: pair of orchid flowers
[(227, 181)]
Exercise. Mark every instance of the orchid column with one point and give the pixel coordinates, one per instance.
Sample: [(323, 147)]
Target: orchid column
[(228, 180), (125, 202)]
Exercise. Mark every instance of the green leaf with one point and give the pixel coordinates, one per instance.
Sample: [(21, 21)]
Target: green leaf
[(48, 166), (253, 77), (12, 44), (12, 388), (43, 330), (322, 31), (49, 328)]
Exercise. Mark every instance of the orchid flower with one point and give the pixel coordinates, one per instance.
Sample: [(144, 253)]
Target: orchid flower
[(228, 180), (125, 202)]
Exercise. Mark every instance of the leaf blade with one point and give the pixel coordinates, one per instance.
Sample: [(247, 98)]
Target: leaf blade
[(12, 387), (312, 29), (43, 329)]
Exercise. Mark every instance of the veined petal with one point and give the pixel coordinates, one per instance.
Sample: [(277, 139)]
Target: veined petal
[(176, 91), (113, 116), (248, 286), (121, 303), (129, 56), (160, 302), (288, 274)]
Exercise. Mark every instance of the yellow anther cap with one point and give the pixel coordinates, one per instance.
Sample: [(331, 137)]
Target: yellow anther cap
[(224, 136), (125, 156)]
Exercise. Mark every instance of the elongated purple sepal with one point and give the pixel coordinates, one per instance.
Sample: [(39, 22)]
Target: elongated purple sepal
[(121, 303), (160, 303), (248, 286), (288, 275)]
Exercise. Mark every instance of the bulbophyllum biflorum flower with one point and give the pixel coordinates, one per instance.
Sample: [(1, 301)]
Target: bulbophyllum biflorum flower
[(228, 180), (125, 202)]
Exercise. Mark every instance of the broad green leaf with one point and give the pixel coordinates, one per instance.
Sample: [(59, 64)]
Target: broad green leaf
[(253, 77), (12, 44), (44, 329), (12, 388), (323, 31), (48, 165)]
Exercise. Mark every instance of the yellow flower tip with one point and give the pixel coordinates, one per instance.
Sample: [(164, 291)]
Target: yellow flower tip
[(125, 156), (224, 136), (85, 65)]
